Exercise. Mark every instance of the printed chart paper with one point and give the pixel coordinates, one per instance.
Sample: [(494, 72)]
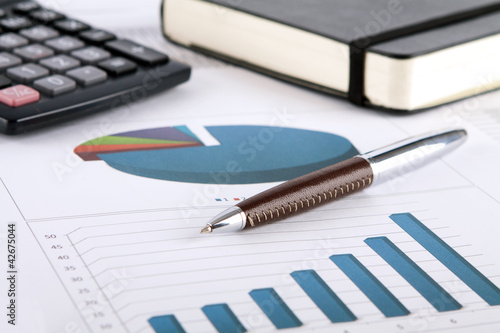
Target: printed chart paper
[(106, 243)]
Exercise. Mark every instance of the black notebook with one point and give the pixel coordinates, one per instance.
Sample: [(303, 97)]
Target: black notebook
[(394, 54)]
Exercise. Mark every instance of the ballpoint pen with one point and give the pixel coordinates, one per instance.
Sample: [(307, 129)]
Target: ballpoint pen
[(336, 181)]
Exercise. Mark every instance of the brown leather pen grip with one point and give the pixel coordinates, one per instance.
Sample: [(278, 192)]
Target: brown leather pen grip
[(308, 191)]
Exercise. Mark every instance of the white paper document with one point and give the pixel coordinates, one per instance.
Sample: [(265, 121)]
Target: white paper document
[(106, 213)]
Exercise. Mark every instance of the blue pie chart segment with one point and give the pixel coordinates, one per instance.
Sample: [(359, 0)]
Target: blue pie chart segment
[(246, 155)]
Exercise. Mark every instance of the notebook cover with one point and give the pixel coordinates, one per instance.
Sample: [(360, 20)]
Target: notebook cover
[(348, 20)]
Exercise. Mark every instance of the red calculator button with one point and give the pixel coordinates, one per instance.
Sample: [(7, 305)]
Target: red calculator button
[(18, 95)]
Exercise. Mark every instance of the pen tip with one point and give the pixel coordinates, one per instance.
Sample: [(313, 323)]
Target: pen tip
[(207, 229)]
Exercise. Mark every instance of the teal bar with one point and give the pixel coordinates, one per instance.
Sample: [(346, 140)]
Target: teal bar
[(411, 272), (449, 257), (166, 324), (383, 299), (275, 308), (324, 297), (223, 318)]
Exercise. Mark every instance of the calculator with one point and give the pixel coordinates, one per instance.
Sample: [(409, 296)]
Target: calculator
[(54, 68)]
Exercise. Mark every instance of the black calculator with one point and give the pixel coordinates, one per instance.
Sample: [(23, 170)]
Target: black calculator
[(54, 68)]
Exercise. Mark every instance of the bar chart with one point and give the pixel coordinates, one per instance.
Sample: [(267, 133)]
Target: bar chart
[(393, 264), (275, 308)]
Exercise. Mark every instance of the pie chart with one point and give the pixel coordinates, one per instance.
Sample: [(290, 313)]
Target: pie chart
[(244, 154)]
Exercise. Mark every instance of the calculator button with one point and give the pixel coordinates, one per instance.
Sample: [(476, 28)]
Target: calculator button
[(33, 52), (18, 95), (27, 73), (55, 85), (11, 40), (25, 7), (136, 52), (65, 44), (2, 12), (71, 26), (60, 63), (91, 55), (87, 75), (4, 81), (45, 16), (15, 23), (39, 33), (118, 66), (96, 36), (8, 60)]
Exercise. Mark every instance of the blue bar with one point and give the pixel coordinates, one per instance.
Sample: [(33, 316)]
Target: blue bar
[(370, 285), (223, 318), (326, 300), (275, 308), (166, 324), (412, 273), (449, 257)]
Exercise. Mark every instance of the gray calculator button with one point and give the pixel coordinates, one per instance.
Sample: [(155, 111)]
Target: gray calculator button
[(136, 52), (55, 85), (8, 60), (15, 23), (71, 26), (65, 44), (33, 52), (11, 40), (27, 73), (39, 33), (96, 36), (60, 63), (25, 7), (91, 54), (87, 75)]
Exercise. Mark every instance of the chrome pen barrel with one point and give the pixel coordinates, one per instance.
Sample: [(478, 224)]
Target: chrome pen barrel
[(401, 157)]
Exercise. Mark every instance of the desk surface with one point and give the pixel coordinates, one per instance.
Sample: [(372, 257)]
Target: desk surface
[(101, 250)]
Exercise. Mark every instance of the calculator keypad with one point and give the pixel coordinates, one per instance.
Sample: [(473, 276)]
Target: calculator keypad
[(46, 56)]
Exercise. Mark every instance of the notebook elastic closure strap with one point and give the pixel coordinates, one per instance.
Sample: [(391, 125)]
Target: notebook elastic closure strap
[(358, 47)]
